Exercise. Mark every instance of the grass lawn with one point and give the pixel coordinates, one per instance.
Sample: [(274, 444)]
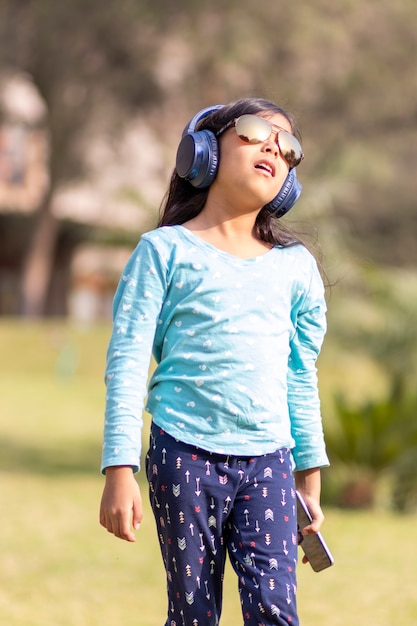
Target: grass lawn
[(60, 568)]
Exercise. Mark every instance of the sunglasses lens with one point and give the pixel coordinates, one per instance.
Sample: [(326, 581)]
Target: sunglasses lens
[(290, 148), (254, 129)]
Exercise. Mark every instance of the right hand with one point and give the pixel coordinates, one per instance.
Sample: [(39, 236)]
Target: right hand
[(121, 503)]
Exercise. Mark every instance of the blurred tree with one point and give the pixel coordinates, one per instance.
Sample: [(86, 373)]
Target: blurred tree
[(346, 69), (83, 58)]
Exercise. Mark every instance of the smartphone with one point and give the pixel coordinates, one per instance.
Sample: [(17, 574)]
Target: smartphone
[(314, 546)]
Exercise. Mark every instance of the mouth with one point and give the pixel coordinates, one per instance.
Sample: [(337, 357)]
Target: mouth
[(266, 166)]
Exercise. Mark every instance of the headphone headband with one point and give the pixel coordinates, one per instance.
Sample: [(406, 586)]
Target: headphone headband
[(191, 126)]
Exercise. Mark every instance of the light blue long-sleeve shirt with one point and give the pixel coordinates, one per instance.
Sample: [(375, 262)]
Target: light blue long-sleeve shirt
[(235, 342)]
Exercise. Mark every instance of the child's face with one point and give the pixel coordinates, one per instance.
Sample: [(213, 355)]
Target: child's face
[(251, 174)]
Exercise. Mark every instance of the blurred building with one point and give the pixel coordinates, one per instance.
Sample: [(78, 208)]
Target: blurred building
[(85, 272)]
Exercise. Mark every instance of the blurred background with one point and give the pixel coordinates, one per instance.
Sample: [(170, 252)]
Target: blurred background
[(93, 99)]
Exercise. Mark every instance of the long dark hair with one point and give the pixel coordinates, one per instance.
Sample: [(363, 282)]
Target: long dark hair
[(184, 202)]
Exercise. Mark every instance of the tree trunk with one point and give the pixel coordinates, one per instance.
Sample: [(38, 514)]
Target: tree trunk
[(38, 264)]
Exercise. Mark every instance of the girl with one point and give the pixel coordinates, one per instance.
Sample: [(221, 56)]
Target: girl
[(232, 307)]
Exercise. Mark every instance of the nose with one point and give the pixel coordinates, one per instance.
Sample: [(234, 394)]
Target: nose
[(271, 144)]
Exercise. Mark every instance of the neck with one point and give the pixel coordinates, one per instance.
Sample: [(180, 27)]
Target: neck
[(228, 231), (228, 216)]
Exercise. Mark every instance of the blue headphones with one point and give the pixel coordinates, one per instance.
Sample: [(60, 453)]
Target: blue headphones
[(198, 160)]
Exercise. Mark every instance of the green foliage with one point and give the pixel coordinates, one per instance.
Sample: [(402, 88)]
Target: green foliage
[(374, 440), (370, 436), (404, 490)]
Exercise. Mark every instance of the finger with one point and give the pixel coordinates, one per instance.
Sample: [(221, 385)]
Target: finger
[(127, 535), (103, 520), (308, 530), (312, 529), (123, 529), (137, 514), (316, 524), (317, 521), (108, 525)]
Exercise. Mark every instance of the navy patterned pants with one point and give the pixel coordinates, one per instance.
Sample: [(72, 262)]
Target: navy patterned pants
[(207, 505)]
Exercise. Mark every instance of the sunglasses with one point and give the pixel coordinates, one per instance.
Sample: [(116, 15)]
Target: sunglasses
[(254, 129)]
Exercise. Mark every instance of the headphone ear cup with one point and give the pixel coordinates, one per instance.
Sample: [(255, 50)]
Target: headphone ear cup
[(287, 196), (198, 158)]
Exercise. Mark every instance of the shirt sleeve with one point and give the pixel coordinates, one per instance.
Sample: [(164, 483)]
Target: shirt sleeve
[(136, 307), (303, 395)]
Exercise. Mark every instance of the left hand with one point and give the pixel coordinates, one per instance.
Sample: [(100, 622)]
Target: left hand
[(308, 483)]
